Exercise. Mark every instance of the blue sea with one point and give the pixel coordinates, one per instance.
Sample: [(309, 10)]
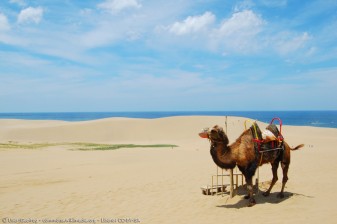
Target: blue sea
[(296, 118)]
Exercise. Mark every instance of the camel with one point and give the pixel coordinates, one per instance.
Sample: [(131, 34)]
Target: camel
[(244, 154)]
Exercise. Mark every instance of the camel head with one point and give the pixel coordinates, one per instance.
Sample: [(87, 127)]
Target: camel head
[(217, 135)]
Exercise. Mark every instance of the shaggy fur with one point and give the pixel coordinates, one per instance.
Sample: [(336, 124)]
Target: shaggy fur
[(243, 154)]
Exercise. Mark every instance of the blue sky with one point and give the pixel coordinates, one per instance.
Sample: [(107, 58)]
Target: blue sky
[(159, 55)]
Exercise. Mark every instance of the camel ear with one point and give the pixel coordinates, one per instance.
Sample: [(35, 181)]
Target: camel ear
[(213, 131)]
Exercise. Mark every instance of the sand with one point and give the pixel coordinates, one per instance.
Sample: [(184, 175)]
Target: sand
[(154, 185)]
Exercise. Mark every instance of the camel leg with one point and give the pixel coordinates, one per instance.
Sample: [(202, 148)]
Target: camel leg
[(285, 168), (243, 171), (252, 201), (249, 173), (274, 168)]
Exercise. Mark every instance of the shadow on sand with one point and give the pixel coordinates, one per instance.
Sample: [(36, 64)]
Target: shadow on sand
[(260, 199)]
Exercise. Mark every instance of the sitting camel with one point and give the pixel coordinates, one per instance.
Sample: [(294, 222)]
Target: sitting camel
[(245, 154)]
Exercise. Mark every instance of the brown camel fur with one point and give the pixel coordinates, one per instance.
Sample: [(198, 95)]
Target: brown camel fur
[(243, 154)]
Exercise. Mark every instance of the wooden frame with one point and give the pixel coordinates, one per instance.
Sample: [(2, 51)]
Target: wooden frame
[(218, 189)]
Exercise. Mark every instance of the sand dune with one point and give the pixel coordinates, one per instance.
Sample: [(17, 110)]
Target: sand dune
[(157, 185)]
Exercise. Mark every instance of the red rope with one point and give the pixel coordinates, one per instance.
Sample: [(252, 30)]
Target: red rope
[(259, 142)]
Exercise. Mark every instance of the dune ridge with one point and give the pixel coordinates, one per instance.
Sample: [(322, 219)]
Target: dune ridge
[(155, 185)]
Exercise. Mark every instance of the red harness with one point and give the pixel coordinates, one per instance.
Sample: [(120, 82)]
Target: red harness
[(280, 138)]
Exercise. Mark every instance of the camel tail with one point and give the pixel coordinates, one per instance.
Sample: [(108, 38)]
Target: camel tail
[(297, 147)]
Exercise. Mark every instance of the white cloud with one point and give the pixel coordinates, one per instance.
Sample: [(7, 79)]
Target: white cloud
[(19, 2), (115, 6), (242, 32), (4, 25), (238, 32), (100, 36), (245, 23), (287, 43), (30, 14), (244, 5), (192, 24)]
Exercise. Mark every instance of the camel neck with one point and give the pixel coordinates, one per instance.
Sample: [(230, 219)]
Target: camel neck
[(222, 156)]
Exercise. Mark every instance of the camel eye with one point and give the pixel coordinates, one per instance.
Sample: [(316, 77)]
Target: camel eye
[(214, 134)]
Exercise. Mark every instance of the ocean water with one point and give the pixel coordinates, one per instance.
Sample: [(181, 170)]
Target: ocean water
[(296, 118)]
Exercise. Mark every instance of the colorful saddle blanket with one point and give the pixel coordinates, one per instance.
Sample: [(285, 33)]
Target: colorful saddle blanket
[(268, 140)]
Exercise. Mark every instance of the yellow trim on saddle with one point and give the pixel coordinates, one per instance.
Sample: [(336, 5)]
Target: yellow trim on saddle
[(254, 126)]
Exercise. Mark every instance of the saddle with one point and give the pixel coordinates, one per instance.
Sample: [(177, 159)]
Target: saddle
[(270, 139)]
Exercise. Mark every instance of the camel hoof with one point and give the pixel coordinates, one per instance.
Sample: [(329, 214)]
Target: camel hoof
[(246, 197), (280, 195), (266, 194), (252, 202)]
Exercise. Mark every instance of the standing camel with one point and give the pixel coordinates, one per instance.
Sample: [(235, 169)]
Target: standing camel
[(244, 153)]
